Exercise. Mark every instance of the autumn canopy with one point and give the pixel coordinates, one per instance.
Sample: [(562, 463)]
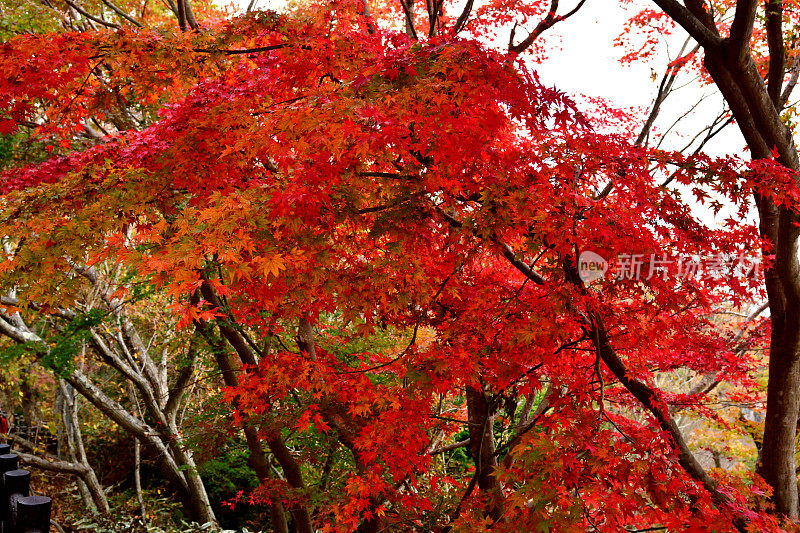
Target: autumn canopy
[(361, 225)]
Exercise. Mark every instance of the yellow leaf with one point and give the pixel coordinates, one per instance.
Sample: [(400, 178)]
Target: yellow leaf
[(273, 265)]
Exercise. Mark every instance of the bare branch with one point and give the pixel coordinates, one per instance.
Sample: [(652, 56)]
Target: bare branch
[(508, 253), (243, 50), (122, 14), (52, 465), (664, 89), (449, 447), (792, 83), (91, 17), (548, 22)]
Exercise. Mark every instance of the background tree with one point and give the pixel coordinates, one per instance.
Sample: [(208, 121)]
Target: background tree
[(373, 226), (744, 53)]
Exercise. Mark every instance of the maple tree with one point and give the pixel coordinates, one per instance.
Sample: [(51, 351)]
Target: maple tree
[(372, 223)]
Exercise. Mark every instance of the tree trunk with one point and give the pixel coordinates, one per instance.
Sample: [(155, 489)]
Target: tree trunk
[(30, 408), (137, 478), (760, 123), (175, 463), (137, 458), (258, 459), (198, 497), (481, 444), (777, 464), (756, 106), (91, 491)]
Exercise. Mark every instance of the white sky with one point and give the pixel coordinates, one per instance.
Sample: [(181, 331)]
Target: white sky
[(588, 63)]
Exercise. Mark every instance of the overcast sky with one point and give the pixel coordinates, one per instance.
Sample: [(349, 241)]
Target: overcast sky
[(588, 63)]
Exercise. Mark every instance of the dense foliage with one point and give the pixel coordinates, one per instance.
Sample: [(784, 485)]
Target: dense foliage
[(326, 266)]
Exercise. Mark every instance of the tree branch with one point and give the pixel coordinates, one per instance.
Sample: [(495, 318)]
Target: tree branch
[(449, 447), (506, 250), (52, 465), (664, 89), (792, 83), (777, 53), (178, 389), (92, 17), (738, 41), (122, 14), (688, 20), (411, 31), (463, 17), (545, 24)]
